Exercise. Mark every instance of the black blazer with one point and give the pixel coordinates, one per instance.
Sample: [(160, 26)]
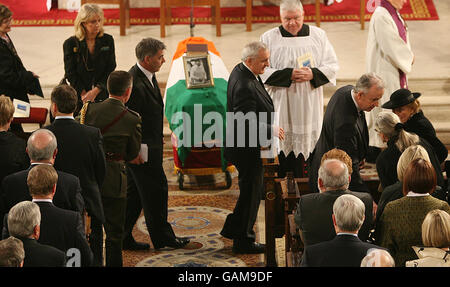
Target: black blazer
[(387, 163), (342, 251), (245, 94), (67, 196), (343, 128), (421, 126), (76, 64), (313, 215), (80, 152), (41, 255), (15, 81), (148, 102)]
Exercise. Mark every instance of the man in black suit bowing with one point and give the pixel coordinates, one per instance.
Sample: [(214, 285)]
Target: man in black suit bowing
[(346, 249), (251, 108), (80, 152), (344, 127), (147, 182)]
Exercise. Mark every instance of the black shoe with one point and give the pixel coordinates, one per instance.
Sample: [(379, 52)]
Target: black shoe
[(249, 248), (131, 244), (178, 242)]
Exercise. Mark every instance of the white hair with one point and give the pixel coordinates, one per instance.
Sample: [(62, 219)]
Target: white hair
[(23, 218), (377, 258), (291, 5), (349, 212), (252, 49)]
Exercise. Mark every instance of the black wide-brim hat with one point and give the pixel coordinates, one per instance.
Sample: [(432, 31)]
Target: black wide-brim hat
[(400, 98)]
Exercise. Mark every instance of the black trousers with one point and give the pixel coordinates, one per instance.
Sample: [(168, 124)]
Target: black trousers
[(114, 209), (239, 224), (148, 190)]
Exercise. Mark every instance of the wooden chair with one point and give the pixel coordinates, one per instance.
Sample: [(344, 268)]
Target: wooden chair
[(249, 5), (166, 18), (124, 7)]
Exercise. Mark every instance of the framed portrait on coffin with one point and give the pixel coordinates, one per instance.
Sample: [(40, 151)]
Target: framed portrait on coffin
[(198, 72)]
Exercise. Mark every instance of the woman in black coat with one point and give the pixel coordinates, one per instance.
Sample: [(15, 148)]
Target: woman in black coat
[(391, 130), (406, 106), (89, 56), (15, 81)]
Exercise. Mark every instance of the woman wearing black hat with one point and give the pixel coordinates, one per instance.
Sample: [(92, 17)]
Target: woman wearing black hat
[(392, 131), (406, 106)]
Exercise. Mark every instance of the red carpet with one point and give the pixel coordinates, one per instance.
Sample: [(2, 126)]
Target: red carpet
[(34, 13)]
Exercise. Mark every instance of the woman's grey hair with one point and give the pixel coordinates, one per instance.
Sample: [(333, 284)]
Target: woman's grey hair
[(23, 218), (377, 258), (386, 123), (291, 5), (366, 81), (408, 155), (148, 47), (349, 212), (36, 151), (334, 178), (251, 50)]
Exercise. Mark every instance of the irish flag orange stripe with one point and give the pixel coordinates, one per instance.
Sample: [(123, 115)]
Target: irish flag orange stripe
[(181, 49)]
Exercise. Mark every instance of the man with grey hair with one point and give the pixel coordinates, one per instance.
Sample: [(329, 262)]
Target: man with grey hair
[(147, 182), (11, 252), (302, 62), (346, 249), (42, 150), (24, 221), (246, 95), (344, 127), (313, 213)]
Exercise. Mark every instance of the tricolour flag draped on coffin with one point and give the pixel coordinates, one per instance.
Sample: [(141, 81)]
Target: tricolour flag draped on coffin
[(196, 103)]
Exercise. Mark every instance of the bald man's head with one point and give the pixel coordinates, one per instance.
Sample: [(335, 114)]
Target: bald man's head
[(41, 145), (333, 175)]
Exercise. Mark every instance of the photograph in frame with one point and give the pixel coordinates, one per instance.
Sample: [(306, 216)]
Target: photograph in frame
[(198, 72)]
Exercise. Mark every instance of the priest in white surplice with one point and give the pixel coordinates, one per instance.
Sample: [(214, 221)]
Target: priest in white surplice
[(388, 54), (296, 88)]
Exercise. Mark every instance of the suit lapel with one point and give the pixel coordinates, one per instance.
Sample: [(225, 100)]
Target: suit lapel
[(153, 91)]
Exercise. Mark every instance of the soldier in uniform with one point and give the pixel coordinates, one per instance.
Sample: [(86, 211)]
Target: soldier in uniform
[(121, 130)]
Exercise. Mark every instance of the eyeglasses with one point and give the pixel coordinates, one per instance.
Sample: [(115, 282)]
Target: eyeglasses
[(94, 22)]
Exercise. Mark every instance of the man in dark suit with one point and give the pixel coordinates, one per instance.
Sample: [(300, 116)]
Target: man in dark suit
[(24, 220), (121, 130), (41, 148), (313, 213), (252, 108), (346, 249), (59, 228), (147, 182), (80, 152), (344, 127)]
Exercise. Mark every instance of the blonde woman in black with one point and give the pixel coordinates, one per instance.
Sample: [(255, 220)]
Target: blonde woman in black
[(89, 56)]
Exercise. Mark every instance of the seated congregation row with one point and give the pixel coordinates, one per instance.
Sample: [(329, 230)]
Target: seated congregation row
[(409, 221)]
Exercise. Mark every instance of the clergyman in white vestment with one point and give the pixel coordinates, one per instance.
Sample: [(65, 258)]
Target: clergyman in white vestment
[(302, 60)]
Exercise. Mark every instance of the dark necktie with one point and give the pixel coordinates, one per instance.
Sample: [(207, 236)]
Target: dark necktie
[(154, 82), (260, 81)]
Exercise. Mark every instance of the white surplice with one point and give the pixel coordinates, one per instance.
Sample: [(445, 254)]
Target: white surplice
[(299, 107), (386, 52)]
